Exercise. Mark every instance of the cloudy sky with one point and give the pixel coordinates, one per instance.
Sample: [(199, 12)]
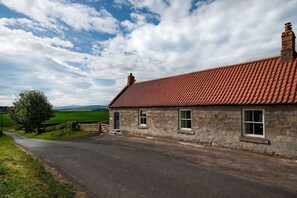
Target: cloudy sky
[(81, 52)]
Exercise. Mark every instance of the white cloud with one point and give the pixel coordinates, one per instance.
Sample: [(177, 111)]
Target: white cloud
[(215, 34), (58, 42), (138, 20), (78, 16), (22, 23), (32, 62)]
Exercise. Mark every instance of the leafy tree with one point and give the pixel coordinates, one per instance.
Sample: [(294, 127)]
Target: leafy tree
[(31, 109)]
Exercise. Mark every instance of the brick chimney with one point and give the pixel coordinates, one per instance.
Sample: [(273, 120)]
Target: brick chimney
[(131, 80), (288, 52)]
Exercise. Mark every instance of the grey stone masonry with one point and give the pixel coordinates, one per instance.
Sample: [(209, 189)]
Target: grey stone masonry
[(218, 125)]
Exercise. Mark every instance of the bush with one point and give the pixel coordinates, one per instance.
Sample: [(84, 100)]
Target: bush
[(60, 133), (18, 127), (69, 126)]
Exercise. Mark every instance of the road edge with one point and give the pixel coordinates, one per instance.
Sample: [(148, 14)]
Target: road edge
[(56, 174)]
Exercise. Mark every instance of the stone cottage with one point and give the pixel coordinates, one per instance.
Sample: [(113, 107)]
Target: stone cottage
[(250, 106)]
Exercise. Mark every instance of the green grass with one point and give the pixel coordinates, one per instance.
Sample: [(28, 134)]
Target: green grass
[(79, 116), (23, 176), (64, 116), (63, 134), (7, 122)]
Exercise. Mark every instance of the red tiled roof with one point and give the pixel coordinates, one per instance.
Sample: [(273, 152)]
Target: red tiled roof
[(258, 82)]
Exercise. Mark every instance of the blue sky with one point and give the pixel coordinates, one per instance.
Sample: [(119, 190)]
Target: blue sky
[(81, 52)]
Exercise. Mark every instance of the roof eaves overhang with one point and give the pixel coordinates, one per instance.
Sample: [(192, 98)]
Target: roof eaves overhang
[(197, 105), (117, 96)]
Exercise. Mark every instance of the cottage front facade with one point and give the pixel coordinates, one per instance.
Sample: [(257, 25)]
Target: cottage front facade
[(250, 106)]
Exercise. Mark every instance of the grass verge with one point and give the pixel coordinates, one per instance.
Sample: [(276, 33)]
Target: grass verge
[(23, 176), (63, 134)]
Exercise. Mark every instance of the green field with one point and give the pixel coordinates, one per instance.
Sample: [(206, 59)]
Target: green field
[(64, 116), (7, 122), (79, 116)]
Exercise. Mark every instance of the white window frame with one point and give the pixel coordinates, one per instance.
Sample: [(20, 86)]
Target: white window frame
[(180, 119), (243, 123), (144, 117)]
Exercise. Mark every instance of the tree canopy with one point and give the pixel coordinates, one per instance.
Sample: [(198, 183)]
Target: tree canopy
[(30, 109)]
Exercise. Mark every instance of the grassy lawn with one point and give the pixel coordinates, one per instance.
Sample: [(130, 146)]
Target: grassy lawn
[(79, 116), (23, 176), (55, 135)]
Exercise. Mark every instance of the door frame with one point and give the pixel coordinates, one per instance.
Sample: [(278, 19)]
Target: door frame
[(116, 124)]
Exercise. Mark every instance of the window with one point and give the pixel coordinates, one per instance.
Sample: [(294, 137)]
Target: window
[(253, 123), (142, 117), (185, 119)]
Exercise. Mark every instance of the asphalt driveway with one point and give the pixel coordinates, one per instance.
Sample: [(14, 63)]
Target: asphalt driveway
[(135, 166)]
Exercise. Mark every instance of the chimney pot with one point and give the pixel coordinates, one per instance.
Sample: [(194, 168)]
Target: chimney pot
[(288, 26)]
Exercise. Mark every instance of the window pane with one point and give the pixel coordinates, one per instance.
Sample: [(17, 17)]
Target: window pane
[(142, 113), (142, 120), (189, 123), (248, 128), (183, 124), (188, 114), (258, 129), (185, 114), (258, 116), (185, 119), (248, 116), (182, 114)]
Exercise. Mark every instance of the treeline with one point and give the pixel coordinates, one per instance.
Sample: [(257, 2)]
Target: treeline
[(4, 109)]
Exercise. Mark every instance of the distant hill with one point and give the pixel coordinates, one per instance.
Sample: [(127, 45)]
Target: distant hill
[(80, 108)]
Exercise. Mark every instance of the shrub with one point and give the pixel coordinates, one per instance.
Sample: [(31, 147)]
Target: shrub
[(71, 126)]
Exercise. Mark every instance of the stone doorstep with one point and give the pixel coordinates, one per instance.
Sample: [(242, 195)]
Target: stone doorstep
[(114, 132)]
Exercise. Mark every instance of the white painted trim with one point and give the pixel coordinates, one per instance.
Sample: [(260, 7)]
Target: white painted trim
[(179, 120), (139, 118), (243, 123)]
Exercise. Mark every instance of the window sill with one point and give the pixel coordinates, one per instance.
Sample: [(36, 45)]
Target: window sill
[(142, 127), (256, 140), (187, 132)]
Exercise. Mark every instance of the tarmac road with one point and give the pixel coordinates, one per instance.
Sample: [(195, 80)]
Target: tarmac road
[(131, 166)]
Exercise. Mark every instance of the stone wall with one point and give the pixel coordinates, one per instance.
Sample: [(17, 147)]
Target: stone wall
[(219, 125), (89, 127)]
